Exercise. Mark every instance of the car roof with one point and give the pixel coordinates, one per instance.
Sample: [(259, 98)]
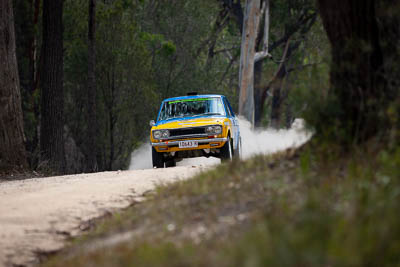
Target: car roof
[(190, 97)]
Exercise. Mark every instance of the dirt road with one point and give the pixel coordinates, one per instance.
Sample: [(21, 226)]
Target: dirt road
[(37, 215)]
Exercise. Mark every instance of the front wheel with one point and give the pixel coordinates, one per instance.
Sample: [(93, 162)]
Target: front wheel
[(226, 151), (158, 161)]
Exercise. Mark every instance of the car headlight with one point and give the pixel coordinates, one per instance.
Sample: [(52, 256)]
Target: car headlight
[(161, 134), (157, 134), (216, 129), (164, 134)]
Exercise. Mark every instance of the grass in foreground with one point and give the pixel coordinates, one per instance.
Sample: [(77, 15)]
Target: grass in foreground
[(290, 209)]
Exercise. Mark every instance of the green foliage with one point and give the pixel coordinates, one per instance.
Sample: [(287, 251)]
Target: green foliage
[(168, 48), (176, 40), (149, 50), (351, 222), (139, 61), (124, 80), (307, 47)]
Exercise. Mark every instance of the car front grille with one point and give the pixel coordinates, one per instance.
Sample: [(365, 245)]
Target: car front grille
[(187, 131)]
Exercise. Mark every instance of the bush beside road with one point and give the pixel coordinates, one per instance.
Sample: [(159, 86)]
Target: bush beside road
[(294, 208)]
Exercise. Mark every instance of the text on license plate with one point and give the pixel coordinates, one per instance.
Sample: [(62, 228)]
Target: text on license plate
[(188, 144)]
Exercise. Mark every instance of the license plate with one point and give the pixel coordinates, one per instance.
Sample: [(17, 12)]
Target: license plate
[(188, 144)]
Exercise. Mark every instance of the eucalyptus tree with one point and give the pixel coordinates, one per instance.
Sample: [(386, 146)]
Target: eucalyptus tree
[(365, 41), (91, 144), (254, 15), (27, 17), (52, 90), (12, 149), (286, 23)]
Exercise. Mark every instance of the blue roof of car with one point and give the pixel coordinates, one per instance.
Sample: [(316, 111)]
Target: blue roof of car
[(190, 97)]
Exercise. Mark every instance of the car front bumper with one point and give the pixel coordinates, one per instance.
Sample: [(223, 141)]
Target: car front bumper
[(173, 145)]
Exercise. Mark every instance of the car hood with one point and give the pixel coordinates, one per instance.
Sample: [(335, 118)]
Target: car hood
[(189, 122)]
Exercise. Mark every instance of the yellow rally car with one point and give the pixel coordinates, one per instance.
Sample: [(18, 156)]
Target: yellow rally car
[(194, 126)]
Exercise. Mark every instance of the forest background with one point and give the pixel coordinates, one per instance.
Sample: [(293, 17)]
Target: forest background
[(108, 64), (141, 52)]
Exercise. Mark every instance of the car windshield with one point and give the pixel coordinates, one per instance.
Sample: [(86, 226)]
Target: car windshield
[(191, 107)]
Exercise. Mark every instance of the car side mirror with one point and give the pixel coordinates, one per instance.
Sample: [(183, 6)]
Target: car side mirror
[(152, 123)]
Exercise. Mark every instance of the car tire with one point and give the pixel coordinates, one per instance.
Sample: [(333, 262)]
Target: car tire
[(158, 160), (227, 151), (170, 163)]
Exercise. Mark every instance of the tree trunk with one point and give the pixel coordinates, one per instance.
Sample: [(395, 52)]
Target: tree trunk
[(12, 149), (261, 41), (52, 98), (358, 78), (112, 120), (258, 91), (112, 148), (35, 5), (28, 21), (288, 115), (276, 106), (301, 26), (246, 75), (276, 86), (91, 145)]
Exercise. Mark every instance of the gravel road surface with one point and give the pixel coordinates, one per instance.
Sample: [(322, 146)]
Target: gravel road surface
[(37, 215)]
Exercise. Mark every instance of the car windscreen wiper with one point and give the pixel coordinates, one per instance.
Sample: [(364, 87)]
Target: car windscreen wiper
[(210, 113), (172, 117)]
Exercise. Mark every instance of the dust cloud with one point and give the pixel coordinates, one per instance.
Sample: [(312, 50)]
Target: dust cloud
[(260, 141), (267, 141)]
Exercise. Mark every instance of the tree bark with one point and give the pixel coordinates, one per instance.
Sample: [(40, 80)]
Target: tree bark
[(91, 146), (52, 98), (258, 90), (246, 75), (261, 41), (32, 143), (359, 73), (12, 149), (35, 5), (264, 52)]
